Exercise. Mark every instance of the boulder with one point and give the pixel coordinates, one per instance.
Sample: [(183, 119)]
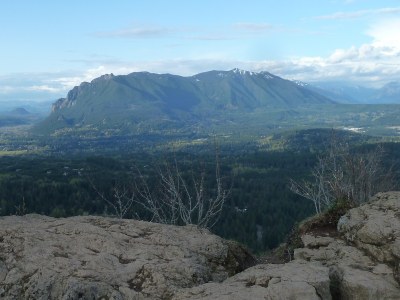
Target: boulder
[(353, 275), (364, 263), (375, 228)]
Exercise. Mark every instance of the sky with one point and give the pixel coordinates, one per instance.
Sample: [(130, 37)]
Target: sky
[(48, 47)]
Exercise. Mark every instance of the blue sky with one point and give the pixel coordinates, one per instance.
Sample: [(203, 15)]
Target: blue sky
[(50, 46)]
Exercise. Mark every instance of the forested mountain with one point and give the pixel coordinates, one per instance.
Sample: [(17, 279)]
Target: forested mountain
[(129, 102)]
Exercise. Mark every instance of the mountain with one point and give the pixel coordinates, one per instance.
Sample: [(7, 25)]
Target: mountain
[(20, 111), (18, 116), (250, 90), (356, 94), (343, 92), (41, 108), (389, 93), (146, 99)]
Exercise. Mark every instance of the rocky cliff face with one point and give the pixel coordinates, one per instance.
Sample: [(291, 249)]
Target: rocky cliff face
[(77, 91), (103, 258)]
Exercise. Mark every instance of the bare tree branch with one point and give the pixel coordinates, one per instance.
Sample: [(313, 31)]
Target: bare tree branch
[(182, 198), (121, 200), (343, 175)]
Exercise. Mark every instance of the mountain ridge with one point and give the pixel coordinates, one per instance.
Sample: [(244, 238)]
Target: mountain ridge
[(343, 92), (128, 100)]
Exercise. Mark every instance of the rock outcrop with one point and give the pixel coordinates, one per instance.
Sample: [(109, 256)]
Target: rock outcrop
[(73, 94), (375, 229), (359, 262), (104, 258), (353, 275), (294, 280)]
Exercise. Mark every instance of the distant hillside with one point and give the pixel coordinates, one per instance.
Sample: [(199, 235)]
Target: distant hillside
[(18, 116), (146, 100), (20, 111), (389, 93), (356, 94)]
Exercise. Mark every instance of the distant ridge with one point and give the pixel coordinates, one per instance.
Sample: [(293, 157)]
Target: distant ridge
[(347, 93), (20, 111), (143, 98)]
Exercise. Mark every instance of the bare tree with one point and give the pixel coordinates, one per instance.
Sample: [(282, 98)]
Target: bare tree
[(159, 201), (172, 196), (182, 198), (317, 189), (344, 175), (367, 175), (121, 199)]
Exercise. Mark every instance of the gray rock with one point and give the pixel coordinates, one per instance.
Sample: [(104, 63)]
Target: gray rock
[(294, 280), (104, 258), (361, 265), (310, 241), (375, 228), (353, 274)]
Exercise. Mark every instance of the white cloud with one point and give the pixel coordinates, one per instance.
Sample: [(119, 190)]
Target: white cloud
[(386, 33), (184, 33), (24, 88), (360, 13), (67, 82), (366, 64), (134, 32), (211, 37), (373, 63), (5, 89), (254, 27), (44, 88)]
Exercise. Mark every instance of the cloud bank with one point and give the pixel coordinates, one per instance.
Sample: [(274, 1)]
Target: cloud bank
[(360, 13)]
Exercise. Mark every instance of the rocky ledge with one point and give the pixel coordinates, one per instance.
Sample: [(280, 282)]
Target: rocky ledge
[(104, 258)]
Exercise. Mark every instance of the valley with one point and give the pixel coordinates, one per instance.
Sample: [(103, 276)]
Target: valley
[(53, 176), (268, 130)]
